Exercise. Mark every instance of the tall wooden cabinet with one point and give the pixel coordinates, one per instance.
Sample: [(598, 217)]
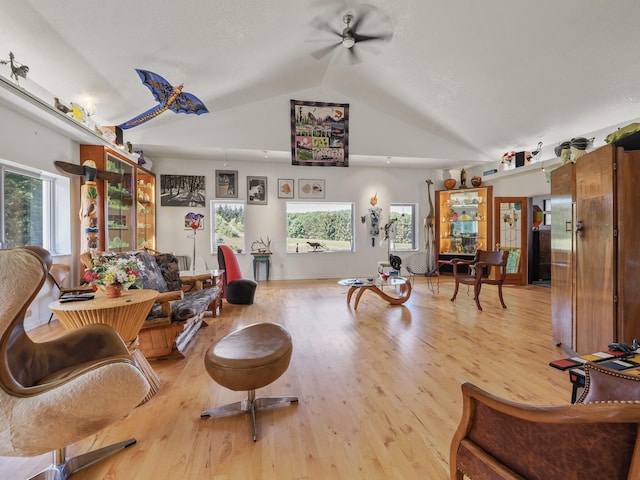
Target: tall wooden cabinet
[(596, 266), (126, 213)]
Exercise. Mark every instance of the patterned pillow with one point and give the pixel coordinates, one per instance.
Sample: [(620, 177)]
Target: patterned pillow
[(168, 264), (150, 273)]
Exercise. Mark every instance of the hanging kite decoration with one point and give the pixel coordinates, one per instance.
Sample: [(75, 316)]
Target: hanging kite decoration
[(170, 98)]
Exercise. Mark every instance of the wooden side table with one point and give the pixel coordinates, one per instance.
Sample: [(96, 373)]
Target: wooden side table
[(125, 314)]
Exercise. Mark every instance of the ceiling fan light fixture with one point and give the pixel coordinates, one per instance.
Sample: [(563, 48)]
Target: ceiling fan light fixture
[(348, 41)]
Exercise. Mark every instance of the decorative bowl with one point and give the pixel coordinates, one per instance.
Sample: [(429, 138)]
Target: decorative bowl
[(476, 181), (449, 183)]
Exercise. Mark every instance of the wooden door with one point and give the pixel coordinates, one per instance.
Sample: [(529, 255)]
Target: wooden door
[(562, 256), (595, 251), (510, 233)]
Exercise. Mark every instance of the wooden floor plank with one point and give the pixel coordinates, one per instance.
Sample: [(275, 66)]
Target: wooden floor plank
[(379, 387)]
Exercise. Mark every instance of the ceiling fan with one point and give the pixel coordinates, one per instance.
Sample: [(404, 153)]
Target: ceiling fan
[(349, 36)]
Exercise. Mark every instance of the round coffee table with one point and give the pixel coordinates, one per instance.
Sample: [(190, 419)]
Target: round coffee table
[(376, 286), (125, 314)]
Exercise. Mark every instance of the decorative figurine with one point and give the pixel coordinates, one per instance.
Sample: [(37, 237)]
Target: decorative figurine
[(17, 69), (463, 179)]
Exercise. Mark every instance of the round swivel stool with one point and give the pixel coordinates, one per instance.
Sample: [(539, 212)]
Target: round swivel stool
[(247, 359)]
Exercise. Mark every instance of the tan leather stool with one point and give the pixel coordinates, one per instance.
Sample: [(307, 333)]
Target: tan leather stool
[(250, 358)]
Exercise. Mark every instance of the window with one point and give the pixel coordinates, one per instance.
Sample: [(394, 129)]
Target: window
[(228, 225), (322, 226), (32, 206), (403, 234)]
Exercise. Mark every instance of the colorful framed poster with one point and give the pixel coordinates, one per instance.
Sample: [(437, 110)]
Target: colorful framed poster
[(310, 188), (226, 184), (319, 134), (257, 190), (285, 188)]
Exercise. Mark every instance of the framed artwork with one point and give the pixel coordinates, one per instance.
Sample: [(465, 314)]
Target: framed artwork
[(310, 188), (285, 188), (257, 190), (319, 134), (182, 191), (226, 184)]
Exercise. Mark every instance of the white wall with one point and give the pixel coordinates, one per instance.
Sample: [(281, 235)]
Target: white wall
[(349, 184)]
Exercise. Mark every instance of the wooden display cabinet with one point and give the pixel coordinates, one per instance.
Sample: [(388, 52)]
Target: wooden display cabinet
[(463, 222), (126, 220)]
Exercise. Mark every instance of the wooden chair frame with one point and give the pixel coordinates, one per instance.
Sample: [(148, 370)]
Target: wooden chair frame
[(476, 273)]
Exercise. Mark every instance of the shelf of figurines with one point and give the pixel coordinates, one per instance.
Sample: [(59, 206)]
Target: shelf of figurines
[(504, 171), (12, 94)]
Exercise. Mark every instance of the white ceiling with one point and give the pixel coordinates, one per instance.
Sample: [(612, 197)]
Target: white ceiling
[(459, 83)]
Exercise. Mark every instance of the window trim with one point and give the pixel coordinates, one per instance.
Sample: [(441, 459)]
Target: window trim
[(212, 214), (351, 205)]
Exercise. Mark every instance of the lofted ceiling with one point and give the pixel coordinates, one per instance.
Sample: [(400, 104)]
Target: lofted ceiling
[(459, 82)]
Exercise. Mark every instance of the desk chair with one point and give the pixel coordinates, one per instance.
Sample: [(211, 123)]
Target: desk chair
[(58, 273), (55, 393), (475, 274)]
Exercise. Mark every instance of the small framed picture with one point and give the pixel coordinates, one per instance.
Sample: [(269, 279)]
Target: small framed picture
[(285, 188), (257, 190), (226, 184), (310, 188)]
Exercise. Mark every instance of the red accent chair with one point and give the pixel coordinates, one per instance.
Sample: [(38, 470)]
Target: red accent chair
[(237, 290)]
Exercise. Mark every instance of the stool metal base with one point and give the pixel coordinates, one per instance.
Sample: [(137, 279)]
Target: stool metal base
[(249, 405)]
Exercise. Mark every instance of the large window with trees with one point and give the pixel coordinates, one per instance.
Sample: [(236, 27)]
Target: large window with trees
[(34, 209), (403, 236), (228, 225), (326, 226)]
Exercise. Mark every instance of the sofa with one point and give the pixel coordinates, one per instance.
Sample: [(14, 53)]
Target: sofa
[(177, 314)]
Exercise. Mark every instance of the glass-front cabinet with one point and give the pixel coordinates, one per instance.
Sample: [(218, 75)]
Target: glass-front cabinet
[(463, 222), (120, 214), (146, 209), (127, 219)]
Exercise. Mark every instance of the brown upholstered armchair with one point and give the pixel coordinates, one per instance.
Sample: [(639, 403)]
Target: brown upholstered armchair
[(55, 393), (476, 275), (499, 439)]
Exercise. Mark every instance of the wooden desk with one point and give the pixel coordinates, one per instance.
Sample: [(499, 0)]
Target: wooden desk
[(195, 279), (125, 314), (376, 286)]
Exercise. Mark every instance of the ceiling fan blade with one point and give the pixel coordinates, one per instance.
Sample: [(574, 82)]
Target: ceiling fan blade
[(321, 24), (318, 54), (366, 38), (358, 17), (354, 58)]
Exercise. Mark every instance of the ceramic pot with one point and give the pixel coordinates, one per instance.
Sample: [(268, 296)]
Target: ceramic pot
[(113, 291), (449, 183), (476, 181)]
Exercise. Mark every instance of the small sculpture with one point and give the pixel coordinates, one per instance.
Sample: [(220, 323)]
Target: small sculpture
[(463, 179), (316, 246), (17, 69), (266, 246)]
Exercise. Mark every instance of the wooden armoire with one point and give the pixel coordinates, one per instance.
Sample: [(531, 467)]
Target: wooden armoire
[(595, 250)]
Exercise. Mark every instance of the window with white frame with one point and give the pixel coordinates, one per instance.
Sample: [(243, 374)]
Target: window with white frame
[(35, 209), (228, 225), (322, 226), (404, 232)]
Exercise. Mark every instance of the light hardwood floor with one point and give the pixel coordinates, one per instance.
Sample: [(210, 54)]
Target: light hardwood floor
[(378, 386)]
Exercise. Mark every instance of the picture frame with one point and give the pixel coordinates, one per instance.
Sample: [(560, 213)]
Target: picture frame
[(285, 188), (226, 184), (319, 134), (256, 190), (311, 188), (182, 191)]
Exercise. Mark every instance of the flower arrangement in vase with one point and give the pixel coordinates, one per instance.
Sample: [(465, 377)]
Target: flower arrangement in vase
[(507, 160), (113, 274)]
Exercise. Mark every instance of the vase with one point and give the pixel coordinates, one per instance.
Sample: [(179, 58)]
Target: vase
[(449, 183), (114, 290)]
